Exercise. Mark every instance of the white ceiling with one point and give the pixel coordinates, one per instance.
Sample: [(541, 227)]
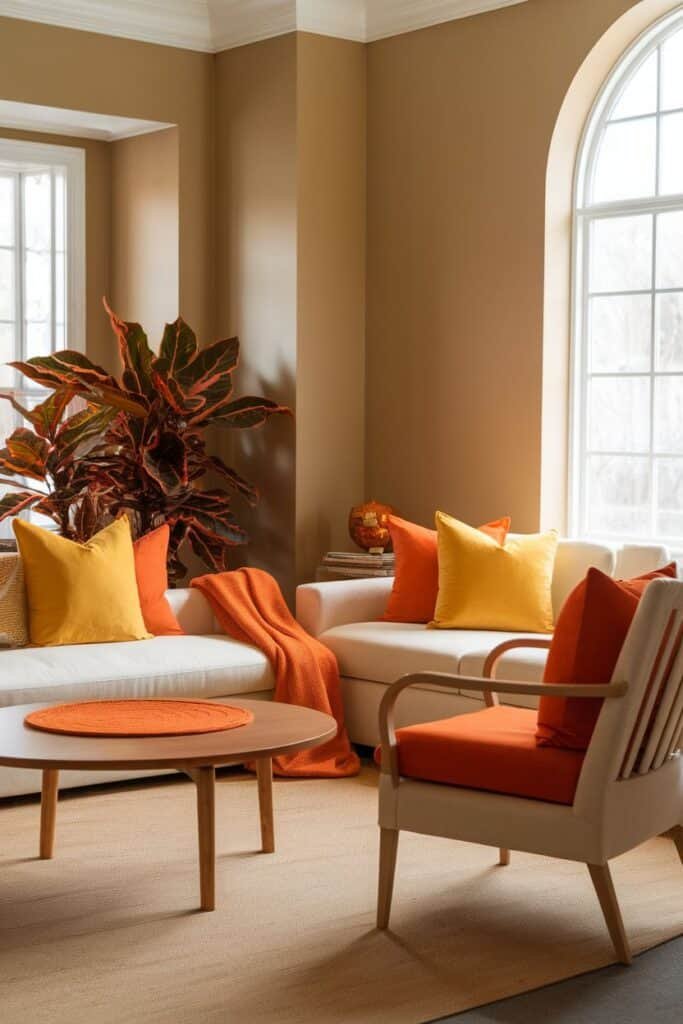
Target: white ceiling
[(213, 25)]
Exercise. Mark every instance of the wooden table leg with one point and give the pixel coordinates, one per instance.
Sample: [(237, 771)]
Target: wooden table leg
[(264, 777), (48, 812), (205, 779)]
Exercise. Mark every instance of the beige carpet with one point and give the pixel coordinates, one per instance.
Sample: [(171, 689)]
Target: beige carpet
[(107, 931)]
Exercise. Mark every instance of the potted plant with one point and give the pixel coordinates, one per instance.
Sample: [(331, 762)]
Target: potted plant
[(100, 445)]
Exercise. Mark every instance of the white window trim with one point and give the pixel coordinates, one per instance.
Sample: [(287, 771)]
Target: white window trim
[(582, 215), (18, 155)]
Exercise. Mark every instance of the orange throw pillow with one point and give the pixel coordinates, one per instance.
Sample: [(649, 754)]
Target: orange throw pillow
[(151, 552), (589, 634), (416, 581)]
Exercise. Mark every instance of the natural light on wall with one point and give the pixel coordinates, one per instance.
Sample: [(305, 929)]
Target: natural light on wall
[(627, 409), (41, 262)]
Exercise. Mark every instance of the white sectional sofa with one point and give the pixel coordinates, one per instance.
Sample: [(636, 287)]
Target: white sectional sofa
[(372, 654), (343, 615), (204, 664)]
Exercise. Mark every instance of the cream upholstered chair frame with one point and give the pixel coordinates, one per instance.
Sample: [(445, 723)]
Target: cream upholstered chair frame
[(631, 783)]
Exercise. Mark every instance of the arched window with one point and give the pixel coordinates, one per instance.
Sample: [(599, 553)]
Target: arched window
[(627, 409)]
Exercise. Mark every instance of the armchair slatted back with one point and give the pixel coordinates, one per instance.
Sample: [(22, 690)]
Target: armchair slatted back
[(639, 733)]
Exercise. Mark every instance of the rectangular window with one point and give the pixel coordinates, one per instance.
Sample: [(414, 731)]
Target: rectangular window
[(42, 264)]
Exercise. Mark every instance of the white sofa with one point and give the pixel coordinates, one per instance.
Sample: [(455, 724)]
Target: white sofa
[(343, 615), (204, 664), (372, 654)]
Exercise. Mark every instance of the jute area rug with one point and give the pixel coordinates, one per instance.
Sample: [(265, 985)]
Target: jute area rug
[(107, 933)]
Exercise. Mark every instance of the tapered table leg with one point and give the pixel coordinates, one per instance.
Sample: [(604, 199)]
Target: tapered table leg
[(48, 812), (264, 777), (205, 779)]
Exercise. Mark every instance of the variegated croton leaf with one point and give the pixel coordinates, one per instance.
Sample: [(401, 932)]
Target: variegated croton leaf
[(136, 444)]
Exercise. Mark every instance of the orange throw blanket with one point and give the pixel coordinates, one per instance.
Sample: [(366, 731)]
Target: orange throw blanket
[(249, 606)]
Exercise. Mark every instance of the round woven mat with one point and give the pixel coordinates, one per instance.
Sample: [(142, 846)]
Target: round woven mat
[(138, 718)]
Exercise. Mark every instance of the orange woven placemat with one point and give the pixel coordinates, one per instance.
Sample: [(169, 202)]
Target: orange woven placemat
[(138, 718)]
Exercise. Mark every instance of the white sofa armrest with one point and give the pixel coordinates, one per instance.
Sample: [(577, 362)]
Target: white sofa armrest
[(320, 606), (193, 611)]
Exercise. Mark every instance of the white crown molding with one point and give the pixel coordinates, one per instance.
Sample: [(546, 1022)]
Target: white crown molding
[(58, 121), (394, 17), (214, 25)]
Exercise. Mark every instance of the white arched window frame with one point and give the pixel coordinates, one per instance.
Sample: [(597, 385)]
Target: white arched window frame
[(626, 428)]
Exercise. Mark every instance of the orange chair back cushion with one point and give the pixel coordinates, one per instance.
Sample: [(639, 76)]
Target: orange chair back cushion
[(589, 634), (416, 583)]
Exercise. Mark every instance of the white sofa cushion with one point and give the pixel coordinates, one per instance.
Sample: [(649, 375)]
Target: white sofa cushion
[(166, 666), (385, 651), (525, 665)]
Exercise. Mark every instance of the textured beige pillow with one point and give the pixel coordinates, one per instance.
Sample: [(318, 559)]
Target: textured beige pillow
[(13, 611)]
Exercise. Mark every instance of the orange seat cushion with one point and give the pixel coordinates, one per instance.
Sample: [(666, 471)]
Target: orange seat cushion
[(589, 634), (151, 552), (494, 749), (416, 580)]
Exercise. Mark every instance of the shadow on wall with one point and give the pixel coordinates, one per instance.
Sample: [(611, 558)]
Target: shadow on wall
[(266, 457)]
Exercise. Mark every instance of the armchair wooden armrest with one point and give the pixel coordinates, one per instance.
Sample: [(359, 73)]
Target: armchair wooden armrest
[(497, 653), (387, 730)]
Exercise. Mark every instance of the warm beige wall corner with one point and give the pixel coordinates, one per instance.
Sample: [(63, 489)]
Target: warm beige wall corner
[(145, 230), (97, 230), (460, 120), (85, 71), (256, 273), (330, 382)]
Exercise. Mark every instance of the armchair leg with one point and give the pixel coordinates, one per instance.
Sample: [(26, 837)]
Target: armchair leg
[(676, 834), (602, 880), (388, 847), (504, 858)]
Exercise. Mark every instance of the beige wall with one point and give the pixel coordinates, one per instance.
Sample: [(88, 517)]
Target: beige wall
[(460, 120), (330, 392), (145, 230), (85, 71), (97, 232), (256, 273)]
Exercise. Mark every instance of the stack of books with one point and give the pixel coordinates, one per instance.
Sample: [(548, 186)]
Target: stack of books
[(341, 565)]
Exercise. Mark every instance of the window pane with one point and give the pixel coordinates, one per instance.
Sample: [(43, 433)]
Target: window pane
[(7, 374), (37, 216), (626, 162), (672, 72), (619, 414), (6, 211), (669, 414), (639, 96), (38, 340), (670, 250), (671, 165), (619, 333), (37, 286), (670, 497), (621, 254), (60, 288), (618, 495), (6, 284), (669, 331), (60, 212)]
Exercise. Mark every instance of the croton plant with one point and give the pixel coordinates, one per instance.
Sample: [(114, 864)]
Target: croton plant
[(100, 445)]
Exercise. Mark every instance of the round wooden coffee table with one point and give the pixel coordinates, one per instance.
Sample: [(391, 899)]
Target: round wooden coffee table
[(275, 729)]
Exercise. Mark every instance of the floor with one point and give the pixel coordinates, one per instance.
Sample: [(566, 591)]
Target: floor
[(109, 932), (651, 991)]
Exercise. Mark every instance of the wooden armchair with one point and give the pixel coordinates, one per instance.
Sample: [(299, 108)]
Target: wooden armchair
[(630, 786)]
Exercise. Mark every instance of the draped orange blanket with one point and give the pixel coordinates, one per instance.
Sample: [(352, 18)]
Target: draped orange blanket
[(249, 606)]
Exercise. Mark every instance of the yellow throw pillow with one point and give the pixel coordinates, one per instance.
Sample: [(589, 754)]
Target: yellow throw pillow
[(13, 615), (80, 593), (485, 585)]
